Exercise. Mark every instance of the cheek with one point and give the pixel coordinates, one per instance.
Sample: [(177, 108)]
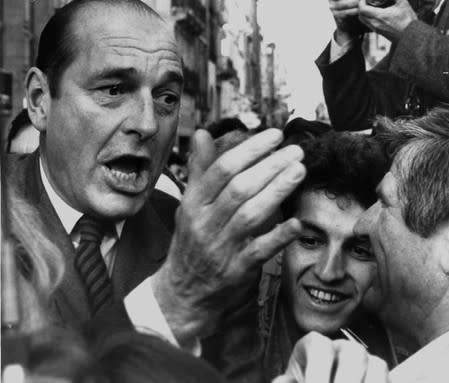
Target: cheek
[(297, 261), (363, 275)]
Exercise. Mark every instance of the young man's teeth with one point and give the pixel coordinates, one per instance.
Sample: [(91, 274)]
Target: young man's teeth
[(129, 177), (323, 296)]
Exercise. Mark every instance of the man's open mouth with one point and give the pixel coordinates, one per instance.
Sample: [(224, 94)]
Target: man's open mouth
[(128, 174), (325, 297)]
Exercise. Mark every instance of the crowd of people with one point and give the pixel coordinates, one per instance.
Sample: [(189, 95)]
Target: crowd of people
[(312, 254)]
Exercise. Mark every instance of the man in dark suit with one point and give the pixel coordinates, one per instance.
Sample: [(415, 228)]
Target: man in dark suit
[(105, 95), (410, 80)]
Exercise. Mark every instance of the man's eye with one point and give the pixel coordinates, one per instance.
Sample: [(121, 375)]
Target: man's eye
[(170, 99), (115, 90), (361, 252), (166, 103), (309, 242)]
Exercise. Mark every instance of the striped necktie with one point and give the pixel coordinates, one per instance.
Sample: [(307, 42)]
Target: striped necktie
[(90, 263)]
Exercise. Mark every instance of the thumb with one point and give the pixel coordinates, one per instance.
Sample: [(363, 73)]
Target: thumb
[(203, 154)]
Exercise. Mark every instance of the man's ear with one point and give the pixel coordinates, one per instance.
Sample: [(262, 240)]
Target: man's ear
[(38, 98)]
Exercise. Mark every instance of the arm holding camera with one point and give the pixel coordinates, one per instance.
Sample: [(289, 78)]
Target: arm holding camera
[(345, 13), (418, 57)]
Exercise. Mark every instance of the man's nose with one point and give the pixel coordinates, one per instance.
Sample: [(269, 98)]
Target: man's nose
[(143, 122), (331, 266), (366, 220)]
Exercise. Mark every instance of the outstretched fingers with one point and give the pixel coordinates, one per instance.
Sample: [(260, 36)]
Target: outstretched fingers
[(264, 247), (264, 180), (251, 214), (234, 161)]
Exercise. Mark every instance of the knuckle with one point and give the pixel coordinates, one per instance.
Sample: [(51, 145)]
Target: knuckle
[(224, 168), (248, 217), (238, 188)]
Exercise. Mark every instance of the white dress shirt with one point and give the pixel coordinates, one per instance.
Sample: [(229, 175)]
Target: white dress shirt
[(146, 317), (428, 365)]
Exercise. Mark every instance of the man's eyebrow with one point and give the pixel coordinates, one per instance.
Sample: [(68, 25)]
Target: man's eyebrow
[(120, 73), (358, 239), (172, 76), (312, 226)]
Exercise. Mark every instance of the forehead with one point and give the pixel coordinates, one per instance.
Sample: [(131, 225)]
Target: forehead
[(117, 34), (334, 216)]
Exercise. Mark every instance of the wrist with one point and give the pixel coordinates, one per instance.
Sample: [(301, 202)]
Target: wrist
[(185, 318), (342, 37)]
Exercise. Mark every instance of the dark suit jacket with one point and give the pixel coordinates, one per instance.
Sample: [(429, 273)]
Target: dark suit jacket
[(355, 96), (142, 247)]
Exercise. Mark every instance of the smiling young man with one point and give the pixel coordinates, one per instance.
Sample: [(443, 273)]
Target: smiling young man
[(327, 269)]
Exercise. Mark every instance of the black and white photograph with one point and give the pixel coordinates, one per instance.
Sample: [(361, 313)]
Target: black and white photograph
[(224, 191)]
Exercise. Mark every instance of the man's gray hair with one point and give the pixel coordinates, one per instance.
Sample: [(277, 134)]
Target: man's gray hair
[(421, 157)]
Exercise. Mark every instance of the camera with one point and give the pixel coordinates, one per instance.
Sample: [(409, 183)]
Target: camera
[(380, 3)]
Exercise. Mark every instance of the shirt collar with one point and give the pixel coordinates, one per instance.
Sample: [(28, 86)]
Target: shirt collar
[(428, 362), (67, 214)]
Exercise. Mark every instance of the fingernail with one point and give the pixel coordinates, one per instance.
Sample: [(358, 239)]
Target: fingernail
[(272, 134), (296, 171), (294, 152)]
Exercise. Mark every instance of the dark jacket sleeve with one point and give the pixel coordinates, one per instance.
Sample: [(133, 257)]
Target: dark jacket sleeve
[(422, 55), (355, 96)]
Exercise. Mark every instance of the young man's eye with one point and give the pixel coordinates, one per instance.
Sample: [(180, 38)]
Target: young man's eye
[(309, 242), (361, 252)]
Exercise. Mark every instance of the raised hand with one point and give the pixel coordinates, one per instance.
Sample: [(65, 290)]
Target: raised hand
[(216, 250)]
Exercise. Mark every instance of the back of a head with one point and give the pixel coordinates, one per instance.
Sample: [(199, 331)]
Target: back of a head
[(298, 130), (341, 164), (139, 358), (420, 148), (226, 125)]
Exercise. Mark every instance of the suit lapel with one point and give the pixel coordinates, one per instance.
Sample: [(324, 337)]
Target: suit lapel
[(142, 249)]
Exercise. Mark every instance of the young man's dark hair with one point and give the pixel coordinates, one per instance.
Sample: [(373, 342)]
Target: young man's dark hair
[(58, 42), (341, 164), (226, 125)]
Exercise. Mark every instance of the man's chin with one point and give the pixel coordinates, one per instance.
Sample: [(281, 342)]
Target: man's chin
[(325, 326), (117, 207)]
